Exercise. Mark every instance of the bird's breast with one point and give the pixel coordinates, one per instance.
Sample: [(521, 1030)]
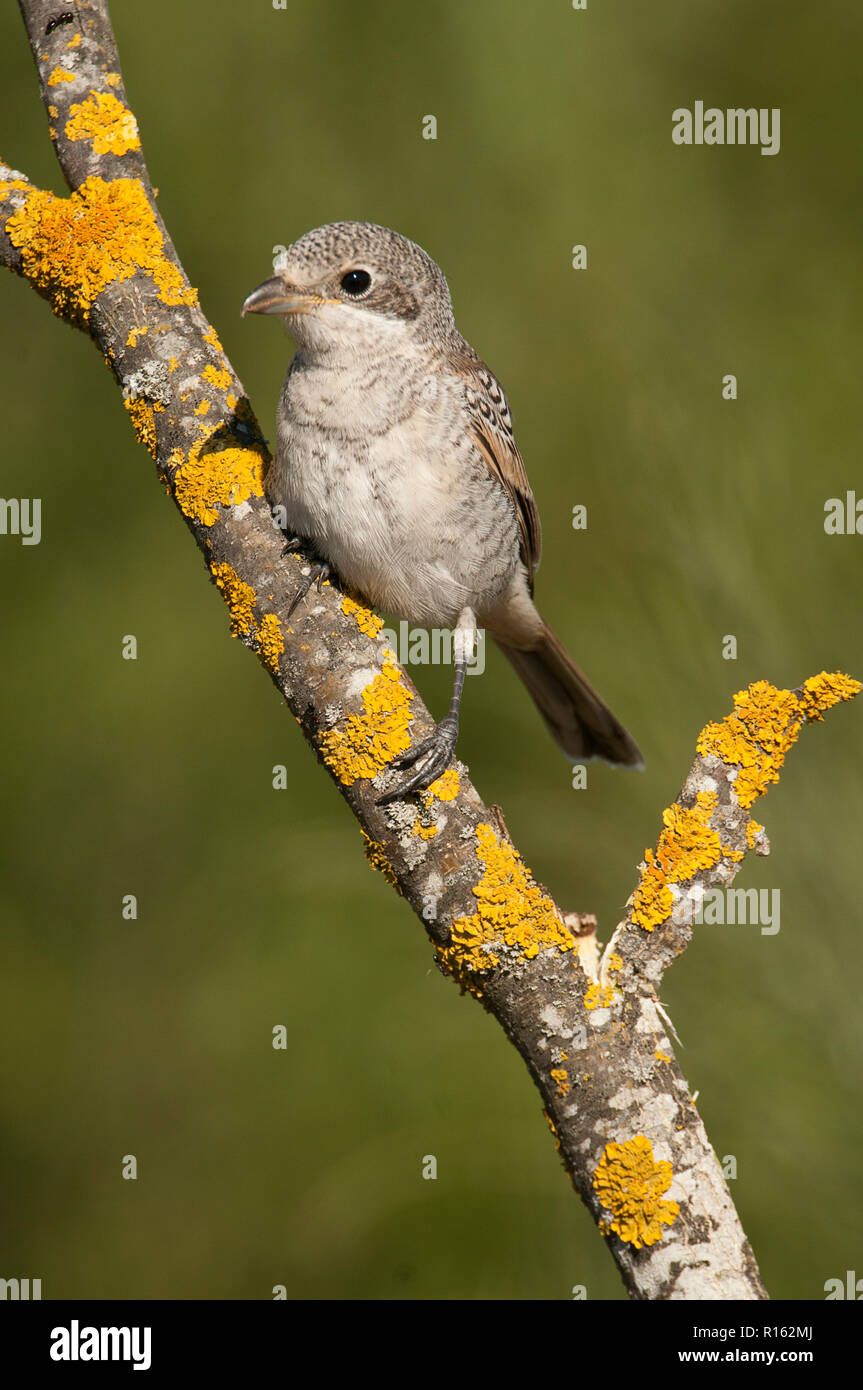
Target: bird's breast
[(376, 469)]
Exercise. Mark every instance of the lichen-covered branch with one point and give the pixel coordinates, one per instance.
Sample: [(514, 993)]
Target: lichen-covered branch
[(589, 1026)]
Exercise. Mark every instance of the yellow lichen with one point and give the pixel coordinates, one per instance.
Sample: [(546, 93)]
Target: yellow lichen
[(629, 1183), (653, 899), (444, 788), (376, 855), (219, 471), (212, 338), (106, 122), (112, 79), (553, 1127), (217, 378), (512, 912), (823, 691), (202, 408), (615, 962), (687, 844), (60, 75), (72, 248), (660, 1055), (599, 997), (765, 725), (425, 832), (271, 643), (143, 421), (561, 1080), (367, 621), (74, 41), (134, 335), (755, 738), (368, 742), (240, 598)]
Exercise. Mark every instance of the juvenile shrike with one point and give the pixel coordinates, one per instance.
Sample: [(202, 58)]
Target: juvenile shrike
[(396, 462)]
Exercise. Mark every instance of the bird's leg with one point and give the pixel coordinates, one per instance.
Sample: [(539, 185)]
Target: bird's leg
[(435, 753)]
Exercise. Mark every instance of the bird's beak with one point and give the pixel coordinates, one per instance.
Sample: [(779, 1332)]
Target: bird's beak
[(279, 296)]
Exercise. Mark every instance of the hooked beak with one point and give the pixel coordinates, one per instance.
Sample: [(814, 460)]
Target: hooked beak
[(279, 296)]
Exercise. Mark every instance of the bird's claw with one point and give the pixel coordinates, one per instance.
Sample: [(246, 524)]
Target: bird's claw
[(317, 574), (434, 754)]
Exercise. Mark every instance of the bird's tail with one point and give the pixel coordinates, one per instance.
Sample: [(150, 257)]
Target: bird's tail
[(580, 723)]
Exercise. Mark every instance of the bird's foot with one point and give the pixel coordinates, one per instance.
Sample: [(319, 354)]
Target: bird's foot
[(433, 755), (319, 571)]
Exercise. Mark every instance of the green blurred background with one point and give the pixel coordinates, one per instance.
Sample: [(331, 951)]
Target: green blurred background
[(257, 907)]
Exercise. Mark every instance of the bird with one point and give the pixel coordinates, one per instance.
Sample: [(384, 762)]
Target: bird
[(396, 465)]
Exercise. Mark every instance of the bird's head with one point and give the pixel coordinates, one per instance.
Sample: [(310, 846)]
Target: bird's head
[(355, 288)]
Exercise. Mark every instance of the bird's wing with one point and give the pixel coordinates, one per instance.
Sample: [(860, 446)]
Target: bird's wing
[(491, 431)]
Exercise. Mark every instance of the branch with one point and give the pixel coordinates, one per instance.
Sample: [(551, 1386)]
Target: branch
[(590, 1028)]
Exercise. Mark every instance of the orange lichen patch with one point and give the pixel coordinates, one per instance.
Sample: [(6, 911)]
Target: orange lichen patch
[(217, 378), (425, 832), (653, 898), (376, 855), (765, 724), (240, 598), (271, 643), (512, 912), (367, 621), (823, 691), (173, 364), (599, 997), (687, 844), (629, 1183), (735, 856), (74, 42), (135, 334), (60, 75), (553, 1127), (143, 421), (219, 471), (444, 788), (112, 79), (212, 338), (72, 248), (6, 186), (660, 1055), (561, 1080), (368, 742), (755, 738), (202, 408), (615, 962), (105, 122)]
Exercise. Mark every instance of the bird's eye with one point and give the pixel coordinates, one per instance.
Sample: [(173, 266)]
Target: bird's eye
[(356, 282)]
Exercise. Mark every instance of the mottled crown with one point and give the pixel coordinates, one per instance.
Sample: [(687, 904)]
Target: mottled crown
[(405, 282)]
